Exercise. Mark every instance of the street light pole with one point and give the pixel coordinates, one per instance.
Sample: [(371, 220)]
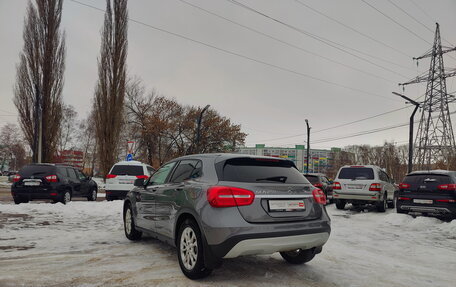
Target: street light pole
[(417, 105), (198, 128), (308, 145)]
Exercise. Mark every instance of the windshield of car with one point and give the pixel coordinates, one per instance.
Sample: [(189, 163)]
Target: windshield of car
[(37, 170), (127, 170), (356, 173), (312, 178), (260, 170)]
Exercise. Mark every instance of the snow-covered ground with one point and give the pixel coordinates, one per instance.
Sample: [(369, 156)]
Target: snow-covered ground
[(82, 244)]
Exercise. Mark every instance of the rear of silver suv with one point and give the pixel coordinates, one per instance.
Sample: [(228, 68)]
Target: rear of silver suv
[(361, 185)]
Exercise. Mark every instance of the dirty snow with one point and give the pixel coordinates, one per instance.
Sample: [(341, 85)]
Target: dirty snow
[(82, 244)]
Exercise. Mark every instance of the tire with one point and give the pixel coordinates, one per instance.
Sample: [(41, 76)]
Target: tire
[(340, 203), (382, 205), (298, 256), (66, 197), (399, 210), (92, 195), (17, 201), (129, 224), (391, 204), (190, 251)]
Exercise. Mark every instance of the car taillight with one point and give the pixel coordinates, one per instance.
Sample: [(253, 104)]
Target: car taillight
[(404, 198), (404, 185), (446, 200), (52, 178), (449, 187), (110, 176), (225, 196), (16, 177), (142, 176), (319, 196), (375, 187), (319, 185), (336, 185)]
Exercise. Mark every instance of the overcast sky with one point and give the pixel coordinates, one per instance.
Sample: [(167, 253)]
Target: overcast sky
[(271, 100)]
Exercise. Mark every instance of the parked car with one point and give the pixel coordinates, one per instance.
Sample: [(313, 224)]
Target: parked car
[(59, 183), (320, 181), (216, 206), (361, 185), (122, 175), (430, 192)]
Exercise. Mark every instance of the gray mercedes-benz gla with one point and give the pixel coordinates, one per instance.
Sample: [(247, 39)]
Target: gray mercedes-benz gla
[(215, 206)]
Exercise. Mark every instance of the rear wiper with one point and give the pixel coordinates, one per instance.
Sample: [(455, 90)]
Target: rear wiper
[(274, 178)]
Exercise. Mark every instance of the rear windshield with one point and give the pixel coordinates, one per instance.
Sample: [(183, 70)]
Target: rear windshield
[(312, 178), (356, 173), (37, 170), (127, 170), (427, 179), (259, 170)]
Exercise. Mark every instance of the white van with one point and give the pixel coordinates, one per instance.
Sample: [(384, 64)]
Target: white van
[(122, 176), (363, 184)]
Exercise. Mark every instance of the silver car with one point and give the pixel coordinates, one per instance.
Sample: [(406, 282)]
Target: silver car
[(366, 184), (215, 206)]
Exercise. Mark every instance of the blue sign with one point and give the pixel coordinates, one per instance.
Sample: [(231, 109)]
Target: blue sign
[(129, 157)]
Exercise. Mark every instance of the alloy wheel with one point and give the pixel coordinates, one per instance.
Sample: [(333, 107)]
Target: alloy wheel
[(189, 248), (128, 221)]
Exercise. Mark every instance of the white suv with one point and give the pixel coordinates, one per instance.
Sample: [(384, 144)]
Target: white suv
[(122, 176), (367, 184)]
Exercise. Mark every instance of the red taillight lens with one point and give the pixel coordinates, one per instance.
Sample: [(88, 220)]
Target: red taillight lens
[(225, 196), (404, 198), (446, 200), (375, 187), (16, 177), (53, 194), (404, 185), (449, 187), (52, 178), (142, 176), (110, 176), (319, 185), (336, 185), (319, 196)]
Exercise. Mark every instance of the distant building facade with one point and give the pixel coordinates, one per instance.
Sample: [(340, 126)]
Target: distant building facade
[(73, 158), (320, 159)]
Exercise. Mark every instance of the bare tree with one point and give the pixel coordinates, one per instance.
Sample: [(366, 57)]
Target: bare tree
[(11, 147), (40, 70), (110, 89), (68, 129)]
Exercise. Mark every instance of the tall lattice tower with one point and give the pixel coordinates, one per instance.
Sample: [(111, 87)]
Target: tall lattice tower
[(435, 137)]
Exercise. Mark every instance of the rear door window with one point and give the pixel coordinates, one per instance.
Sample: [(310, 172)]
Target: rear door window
[(356, 173), (185, 170), (72, 173), (259, 170), (127, 170)]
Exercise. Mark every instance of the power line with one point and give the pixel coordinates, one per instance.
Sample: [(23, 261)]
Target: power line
[(352, 29), (240, 55), (284, 42), (392, 19), (323, 40)]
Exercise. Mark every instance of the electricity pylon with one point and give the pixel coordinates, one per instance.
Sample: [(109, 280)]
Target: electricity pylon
[(435, 137)]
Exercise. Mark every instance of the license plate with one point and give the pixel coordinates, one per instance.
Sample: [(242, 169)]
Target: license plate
[(354, 186), (31, 183), (423, 201), (126, 182), (286, 205)]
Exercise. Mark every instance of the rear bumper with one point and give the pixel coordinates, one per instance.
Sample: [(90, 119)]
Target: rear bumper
[(39, 193), (357, 197), (116, 193), (277, 244), (442, 210)]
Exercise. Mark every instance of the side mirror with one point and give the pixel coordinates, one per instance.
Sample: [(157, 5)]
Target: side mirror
[(139, 182)]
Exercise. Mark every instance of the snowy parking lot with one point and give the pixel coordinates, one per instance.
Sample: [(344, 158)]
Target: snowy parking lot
[(83, 244)]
